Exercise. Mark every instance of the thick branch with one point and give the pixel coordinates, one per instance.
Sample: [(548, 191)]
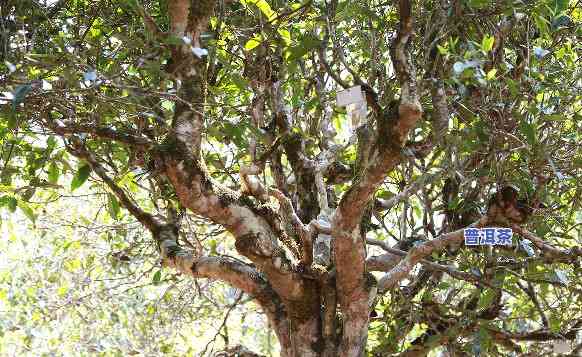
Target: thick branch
[(255, 226), (178, 11), (385, 154), (234, 272), (189, 22)]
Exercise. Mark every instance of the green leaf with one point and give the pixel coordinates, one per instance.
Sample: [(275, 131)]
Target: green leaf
[(285, 35), (307, 44), (53, 173), (491, 74), (80, 177), (559, 5), (73, 265), (479, 4), (265, 8), (95, 32), (213, 247), (51, 142), (157, 277), (253, 42), (487, 43), (484, 339), (486, 298), (9, 202), (542, 24), (443, 50), (555, 323), (529, 131), (113, 206), (28, 212)]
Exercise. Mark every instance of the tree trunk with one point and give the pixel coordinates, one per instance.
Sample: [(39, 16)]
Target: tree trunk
[(313, 331)]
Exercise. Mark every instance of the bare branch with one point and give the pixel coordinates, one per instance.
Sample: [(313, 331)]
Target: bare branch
[(417, 253), (539, 335), (189, 22), (552, 252), (323, 59), (251, 184), (387, 263), (383, 262), (106, 132), (304, 234), (148, 220), (149, 22), (440, 113), (236, 351), (329, 327), (234, 272), (411, 189), (178, 11), (530, 291)]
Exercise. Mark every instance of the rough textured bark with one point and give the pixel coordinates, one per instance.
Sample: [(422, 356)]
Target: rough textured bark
[(307, 264), (349, 245)]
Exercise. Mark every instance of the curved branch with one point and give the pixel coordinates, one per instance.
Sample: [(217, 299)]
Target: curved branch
[(232, 271), (549, 250), (148, 220), (386, 262), (417, 253)]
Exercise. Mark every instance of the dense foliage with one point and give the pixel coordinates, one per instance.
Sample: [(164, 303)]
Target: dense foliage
[(123, 123)]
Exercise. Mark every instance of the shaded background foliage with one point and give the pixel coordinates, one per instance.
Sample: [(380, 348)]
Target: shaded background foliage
[(510, 73)]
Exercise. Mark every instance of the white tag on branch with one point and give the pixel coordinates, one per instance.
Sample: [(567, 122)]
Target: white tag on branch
[(350, 96), (355, 102), (357, 113)]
